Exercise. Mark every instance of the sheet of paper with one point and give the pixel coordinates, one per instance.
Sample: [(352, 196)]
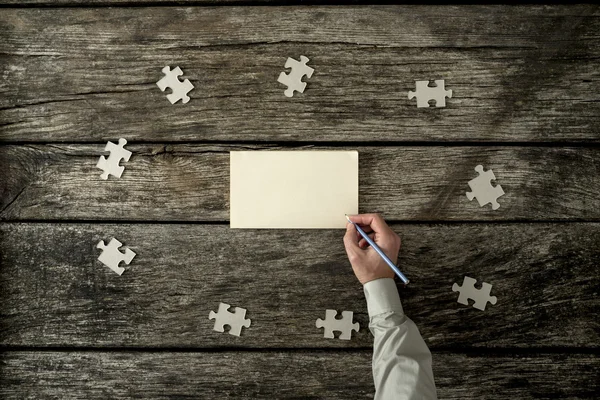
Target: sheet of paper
[(293, 189)]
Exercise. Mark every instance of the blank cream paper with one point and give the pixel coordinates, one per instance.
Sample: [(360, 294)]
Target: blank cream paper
[(293, 189)]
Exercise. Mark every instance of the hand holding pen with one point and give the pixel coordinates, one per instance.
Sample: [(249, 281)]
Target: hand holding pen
[(372, 248)]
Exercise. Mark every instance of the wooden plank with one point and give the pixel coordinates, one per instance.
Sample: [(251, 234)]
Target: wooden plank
[(136, 3), (251, 375), (518, 74), (191, 183), (53, 291)]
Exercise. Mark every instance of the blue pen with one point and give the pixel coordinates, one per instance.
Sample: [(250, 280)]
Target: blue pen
[(380, 252)]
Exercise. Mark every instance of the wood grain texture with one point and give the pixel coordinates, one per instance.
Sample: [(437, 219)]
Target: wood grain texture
[(191, 183), (137, 3), (53, 291), (518, 74), (297, 375)]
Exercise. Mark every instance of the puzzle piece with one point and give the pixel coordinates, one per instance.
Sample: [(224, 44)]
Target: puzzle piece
[(468, 291), (111, 256), (481, 187), (179, 89), (424, 93), (293, 80), (111, 165), (343, 325), (235, 319)]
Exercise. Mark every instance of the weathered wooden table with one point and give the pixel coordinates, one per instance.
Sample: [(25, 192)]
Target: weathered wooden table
[(526, 103)]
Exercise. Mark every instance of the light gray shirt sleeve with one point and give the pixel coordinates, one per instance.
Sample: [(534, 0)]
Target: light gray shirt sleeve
[(401, 359)]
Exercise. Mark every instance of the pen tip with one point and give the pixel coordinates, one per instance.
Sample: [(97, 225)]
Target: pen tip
[(347, 217)]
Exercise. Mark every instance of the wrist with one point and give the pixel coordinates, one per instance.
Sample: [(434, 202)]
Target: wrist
[(373, 277)]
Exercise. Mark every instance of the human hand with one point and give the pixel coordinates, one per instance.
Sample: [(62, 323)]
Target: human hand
[(366, 263)]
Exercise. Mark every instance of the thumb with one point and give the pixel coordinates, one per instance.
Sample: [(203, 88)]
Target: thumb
[(350, 240)]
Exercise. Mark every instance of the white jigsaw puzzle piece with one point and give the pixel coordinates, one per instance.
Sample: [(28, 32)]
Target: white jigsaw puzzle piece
[(235, 320), (293, 80), (480, 296), (424, 93), (110, 165), (344, 325), (111, 256), (179, 89), (482, 189)]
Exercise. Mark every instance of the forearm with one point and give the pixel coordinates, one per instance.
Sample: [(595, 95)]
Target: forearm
[(401, 359)]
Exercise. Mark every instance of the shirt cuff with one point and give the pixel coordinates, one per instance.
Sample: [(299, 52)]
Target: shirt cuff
[(382, 296)]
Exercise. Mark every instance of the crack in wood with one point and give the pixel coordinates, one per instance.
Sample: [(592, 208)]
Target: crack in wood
[(10, 203)]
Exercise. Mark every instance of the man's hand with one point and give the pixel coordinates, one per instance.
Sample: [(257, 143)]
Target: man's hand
[(366, 263)]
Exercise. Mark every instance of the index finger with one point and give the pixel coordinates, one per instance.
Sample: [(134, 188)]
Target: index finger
[(375, 221)]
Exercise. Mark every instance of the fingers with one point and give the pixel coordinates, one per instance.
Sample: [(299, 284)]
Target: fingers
[(374, 221), (362, 243), (350, 239), (366, 228)]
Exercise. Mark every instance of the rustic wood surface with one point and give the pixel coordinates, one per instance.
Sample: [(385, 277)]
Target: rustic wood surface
[(522, 74), (525, 103), (134, 3), (56, 293), (270, 375), (191, 183)]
